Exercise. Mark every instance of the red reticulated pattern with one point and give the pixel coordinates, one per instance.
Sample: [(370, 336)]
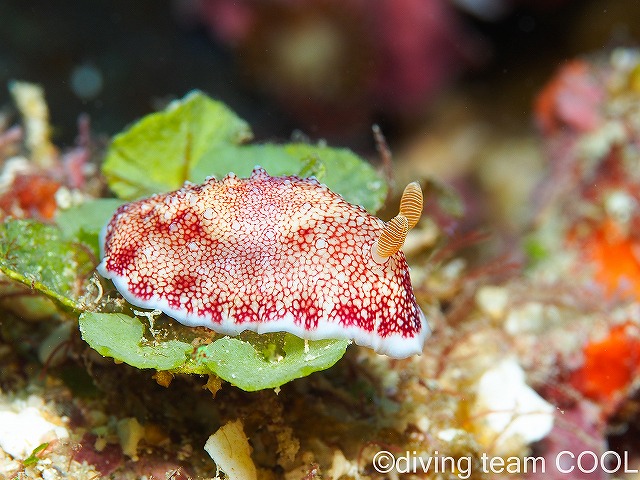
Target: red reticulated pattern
[(265, 254)]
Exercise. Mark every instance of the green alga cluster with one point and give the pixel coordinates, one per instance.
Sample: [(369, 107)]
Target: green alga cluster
[(191, 139)]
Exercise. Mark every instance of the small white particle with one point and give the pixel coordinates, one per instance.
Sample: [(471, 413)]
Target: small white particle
[(321, 243)]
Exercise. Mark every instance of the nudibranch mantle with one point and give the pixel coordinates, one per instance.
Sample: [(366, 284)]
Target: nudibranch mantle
[(266, 254)]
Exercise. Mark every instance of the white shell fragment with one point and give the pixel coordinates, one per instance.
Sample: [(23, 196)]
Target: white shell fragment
[(230, 449), (509, 413)]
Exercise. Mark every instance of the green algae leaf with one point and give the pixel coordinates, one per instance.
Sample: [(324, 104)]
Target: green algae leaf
[(34, 458), (338, 168), (39, 256), (250, 365), (84, 222), (159, 152), (121, 337), (313, 167), (241, 364), (198, 137)]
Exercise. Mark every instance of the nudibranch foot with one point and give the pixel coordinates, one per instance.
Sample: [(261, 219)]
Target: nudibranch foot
[(266, 254)]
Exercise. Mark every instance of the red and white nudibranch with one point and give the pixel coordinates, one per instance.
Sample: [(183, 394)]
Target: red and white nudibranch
[(269, 254)]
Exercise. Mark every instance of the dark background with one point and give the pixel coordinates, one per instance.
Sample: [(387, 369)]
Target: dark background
[(149, 52)]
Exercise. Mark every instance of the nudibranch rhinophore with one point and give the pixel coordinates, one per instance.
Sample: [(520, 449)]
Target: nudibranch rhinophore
[(269, 254)]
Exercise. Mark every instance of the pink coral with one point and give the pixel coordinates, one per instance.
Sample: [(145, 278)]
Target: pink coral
[(390, 55)]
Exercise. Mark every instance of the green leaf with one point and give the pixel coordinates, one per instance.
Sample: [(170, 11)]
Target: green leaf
[(158, 153), (313, 167), (341, 170), (120, 336), (248, 361), (38, 256), (241, 364), (84, 222), (197, 137), (34, 457)]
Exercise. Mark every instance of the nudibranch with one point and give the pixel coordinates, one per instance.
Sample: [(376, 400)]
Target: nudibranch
[(269, 254)]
